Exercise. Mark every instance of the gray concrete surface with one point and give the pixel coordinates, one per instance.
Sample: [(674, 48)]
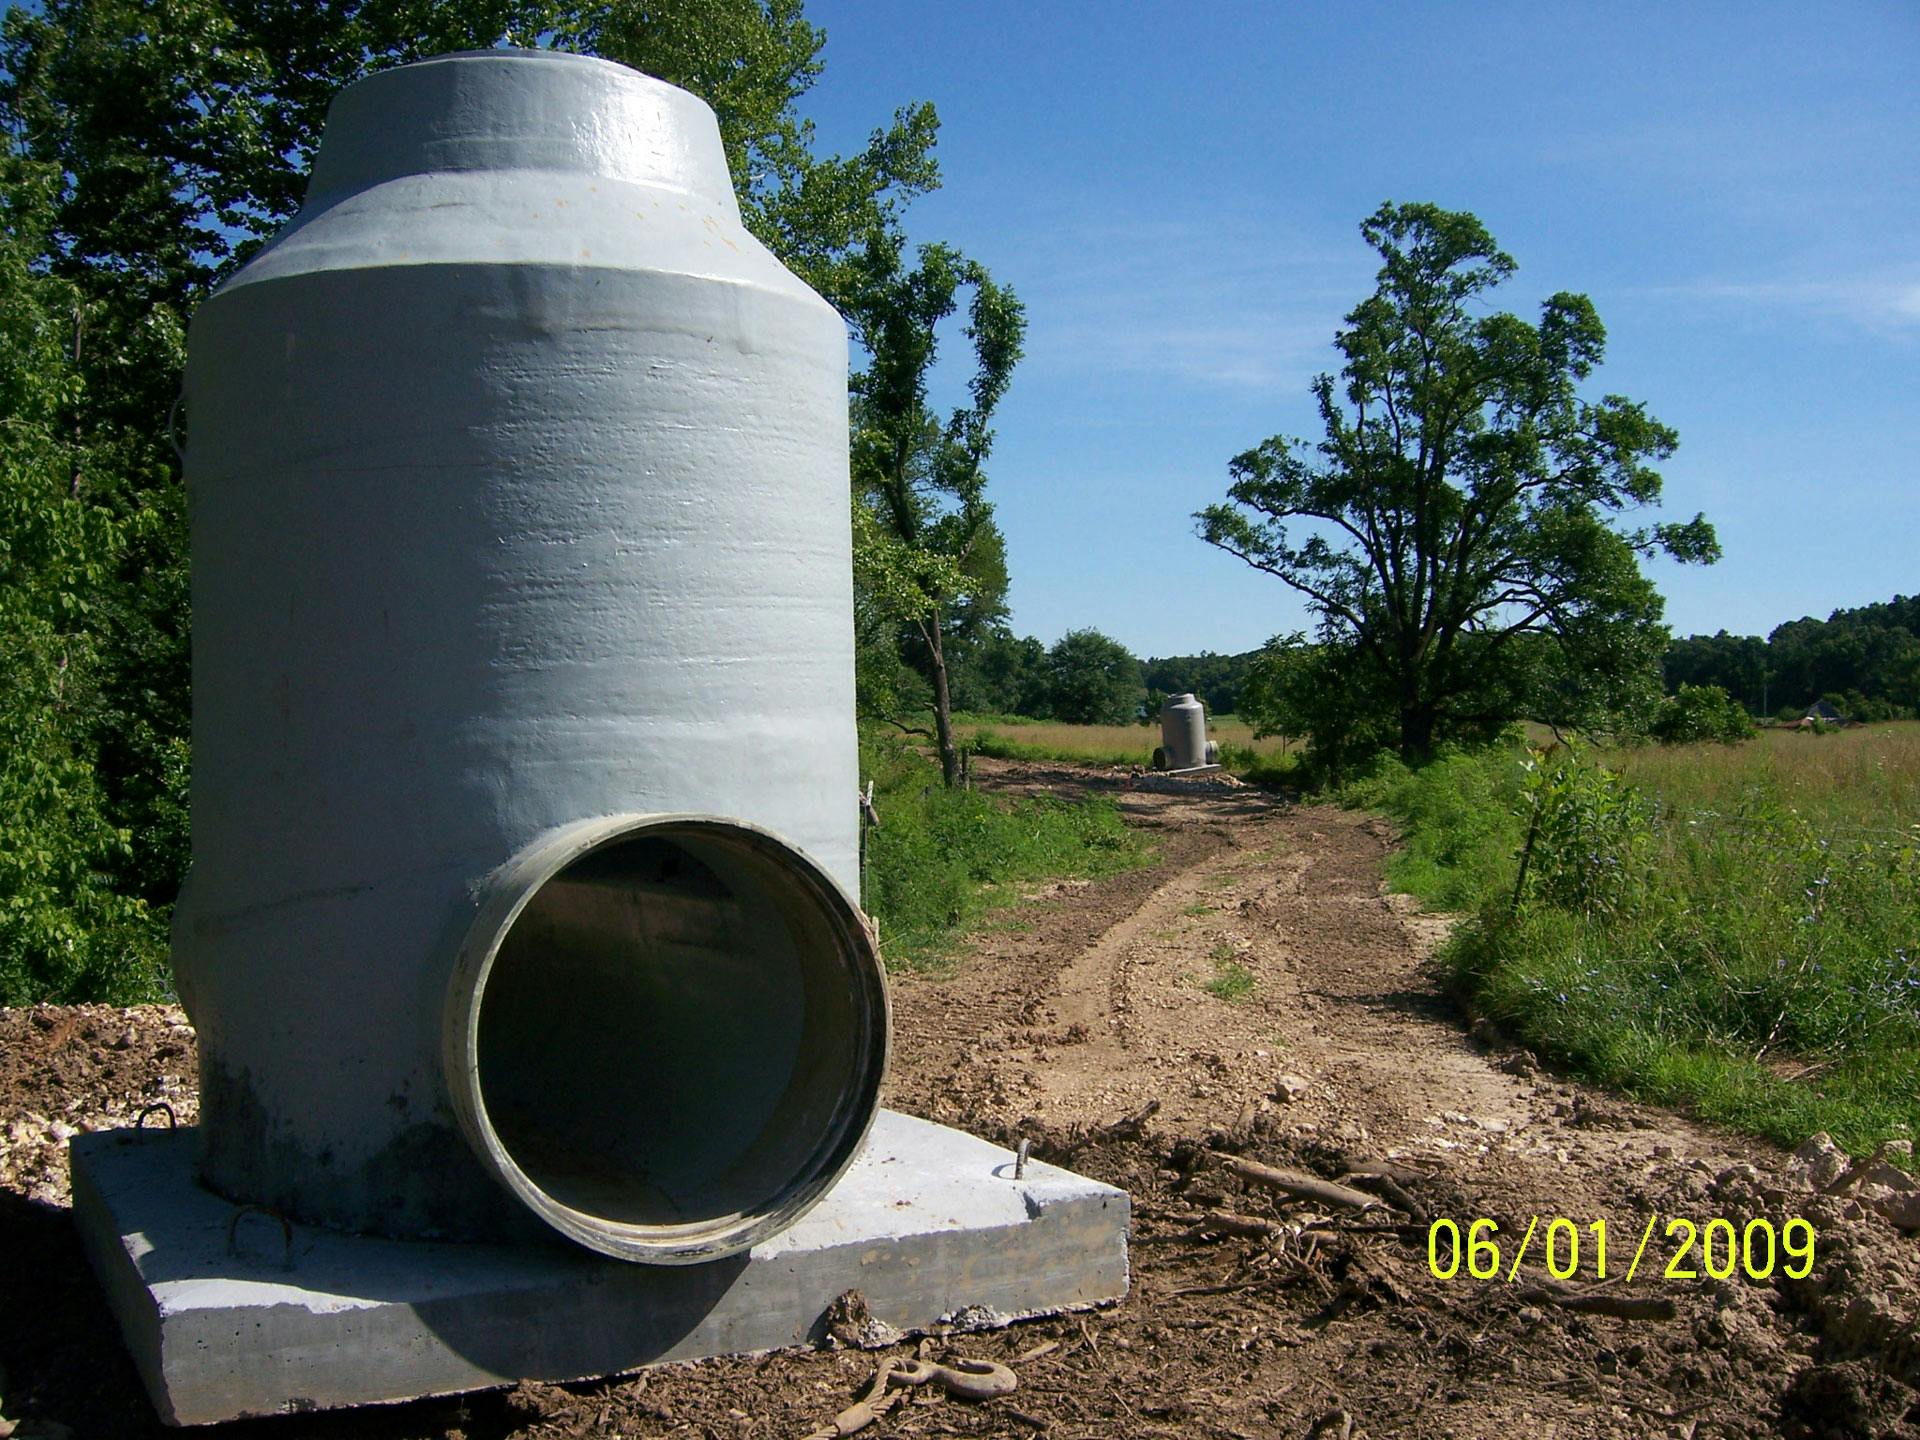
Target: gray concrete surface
[(225, 1318), (518, 483)]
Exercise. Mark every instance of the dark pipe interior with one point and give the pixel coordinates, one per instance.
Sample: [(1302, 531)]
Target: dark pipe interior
[(672, 1030)]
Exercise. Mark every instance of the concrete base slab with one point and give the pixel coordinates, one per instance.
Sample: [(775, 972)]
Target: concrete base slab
[(228, 1316)]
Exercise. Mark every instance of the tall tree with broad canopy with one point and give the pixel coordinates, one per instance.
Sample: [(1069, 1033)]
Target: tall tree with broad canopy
[(1454, 532), (1093, 680), (924, 529)]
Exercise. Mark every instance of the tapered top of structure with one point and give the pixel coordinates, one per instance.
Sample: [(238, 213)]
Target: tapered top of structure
[(521, 110)]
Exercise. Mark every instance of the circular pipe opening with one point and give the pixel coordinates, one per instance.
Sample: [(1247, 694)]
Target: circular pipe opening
[(667, 1034)]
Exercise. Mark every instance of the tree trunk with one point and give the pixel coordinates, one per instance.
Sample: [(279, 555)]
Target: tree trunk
[(1417, 724), (942, 702)]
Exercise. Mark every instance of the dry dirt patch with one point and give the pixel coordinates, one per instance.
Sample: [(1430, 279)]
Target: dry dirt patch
[(1090, 1022)]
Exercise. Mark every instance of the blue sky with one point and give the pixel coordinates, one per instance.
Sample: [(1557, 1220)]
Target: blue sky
[(1175, 189), (1175, 192)]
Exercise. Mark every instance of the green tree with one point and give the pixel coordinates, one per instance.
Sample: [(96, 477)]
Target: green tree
[(999, 672), (1702, 712), (1462, 499), (65, 930), (1296, 687), (928, 534), (1215, 679), (1092, 679)]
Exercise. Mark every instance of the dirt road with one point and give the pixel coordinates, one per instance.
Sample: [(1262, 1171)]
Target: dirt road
[(1261, 988)]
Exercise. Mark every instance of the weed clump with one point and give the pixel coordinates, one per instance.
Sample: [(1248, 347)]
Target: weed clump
[(1230, 981), (941, 858)]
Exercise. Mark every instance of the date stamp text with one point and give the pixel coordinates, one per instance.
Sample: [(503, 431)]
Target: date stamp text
[(1716, 1250)]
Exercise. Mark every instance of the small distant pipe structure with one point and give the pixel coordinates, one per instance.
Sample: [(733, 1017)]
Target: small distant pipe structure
[(1184, 747), (525, 857)]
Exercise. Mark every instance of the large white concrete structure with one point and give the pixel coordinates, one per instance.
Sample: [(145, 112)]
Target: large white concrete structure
[(525, 836), (524, 891)]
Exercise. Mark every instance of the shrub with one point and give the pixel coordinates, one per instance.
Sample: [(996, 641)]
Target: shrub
[(1702, 712)]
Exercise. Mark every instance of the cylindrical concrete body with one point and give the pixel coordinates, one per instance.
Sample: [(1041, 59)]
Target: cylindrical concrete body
[(518, 482), (1183, 732)]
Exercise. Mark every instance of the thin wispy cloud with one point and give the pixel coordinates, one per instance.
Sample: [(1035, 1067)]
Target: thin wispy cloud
[(1881, 304), (1233, 304)]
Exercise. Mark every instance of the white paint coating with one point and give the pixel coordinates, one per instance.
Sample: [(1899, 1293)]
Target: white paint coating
[(1183, 732), (518, 491)]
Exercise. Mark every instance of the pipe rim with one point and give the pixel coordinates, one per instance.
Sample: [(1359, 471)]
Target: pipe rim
[(505, 895)]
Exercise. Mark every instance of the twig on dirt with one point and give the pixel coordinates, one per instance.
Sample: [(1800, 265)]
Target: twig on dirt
[(1586, 1386), (1620, 1307), (1220, 1222), (1043, 1426), (1412, 1229), (1045, 1347), (1851, 1175), (1229, 1287), (1405, 1174), (1128, 1127), (1301, 1187), (1390, 1190), (1212, 1224)]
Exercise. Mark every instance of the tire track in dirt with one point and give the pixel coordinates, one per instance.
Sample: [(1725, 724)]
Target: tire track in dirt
[(1284, 899)]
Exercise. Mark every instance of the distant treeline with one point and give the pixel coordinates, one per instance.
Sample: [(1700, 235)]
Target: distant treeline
[(1864, 662), (1215, 679), (1085, 677)]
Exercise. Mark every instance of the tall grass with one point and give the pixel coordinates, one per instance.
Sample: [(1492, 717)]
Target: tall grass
[(1862, 776), (941, 858), (1732, 928)]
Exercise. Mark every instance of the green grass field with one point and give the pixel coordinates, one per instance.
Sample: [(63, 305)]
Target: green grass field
[(1013, 737), (1732, 928)]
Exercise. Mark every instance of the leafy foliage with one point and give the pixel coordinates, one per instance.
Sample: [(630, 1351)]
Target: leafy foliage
[(1298, 687), (932, 559), (1461, 502), (1216, 679), (1864, 661), (1738, 930), (66, 931), (1588, 839), (1702, 712), (993, 671), (1092, 680), (942, 857)]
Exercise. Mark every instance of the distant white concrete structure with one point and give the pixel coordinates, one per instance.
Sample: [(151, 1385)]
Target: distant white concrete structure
[(1183, 736)]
